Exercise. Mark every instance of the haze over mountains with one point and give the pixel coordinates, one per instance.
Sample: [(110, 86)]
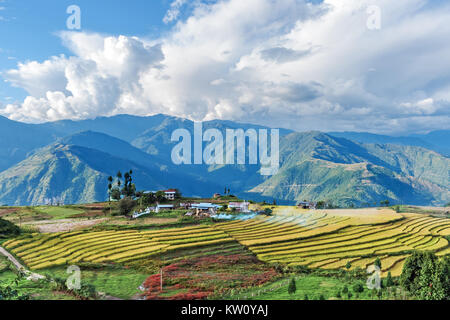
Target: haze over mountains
[(73, 159)]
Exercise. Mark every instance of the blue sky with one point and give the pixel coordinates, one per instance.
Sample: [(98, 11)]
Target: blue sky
[(327, 65), (28, 29)]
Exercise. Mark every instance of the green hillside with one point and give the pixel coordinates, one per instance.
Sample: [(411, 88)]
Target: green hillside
[(315, 166)]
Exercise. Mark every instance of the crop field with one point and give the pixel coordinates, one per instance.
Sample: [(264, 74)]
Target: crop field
[(48, 250), (338, 238), (327, 239)]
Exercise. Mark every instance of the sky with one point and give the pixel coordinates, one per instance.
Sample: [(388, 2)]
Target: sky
[(378, 66)]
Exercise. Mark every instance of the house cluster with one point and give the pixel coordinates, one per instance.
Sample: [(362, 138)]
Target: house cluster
[(306, 205), (169, 194), (201, 210)]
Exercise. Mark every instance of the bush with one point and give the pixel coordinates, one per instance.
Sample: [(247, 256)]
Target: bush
[(292, 287), (86, 291), (389, 281), (8, 229), (126, 205), (358, 287)]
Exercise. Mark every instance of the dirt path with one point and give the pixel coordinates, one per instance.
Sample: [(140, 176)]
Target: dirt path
[(30, 275), (35, 276)]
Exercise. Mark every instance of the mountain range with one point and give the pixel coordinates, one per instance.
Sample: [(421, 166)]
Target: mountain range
[(72, 160)]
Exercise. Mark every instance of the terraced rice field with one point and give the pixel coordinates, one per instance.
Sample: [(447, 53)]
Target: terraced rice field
[(331, 239), (48, 250), (317, 239)]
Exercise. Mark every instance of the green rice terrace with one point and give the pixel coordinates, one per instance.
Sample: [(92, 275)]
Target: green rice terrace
[(167, 256)]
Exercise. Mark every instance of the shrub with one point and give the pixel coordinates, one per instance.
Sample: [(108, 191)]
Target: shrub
[(358, 287), (8, 229), (126, 205), (292, 287), (389, 281)]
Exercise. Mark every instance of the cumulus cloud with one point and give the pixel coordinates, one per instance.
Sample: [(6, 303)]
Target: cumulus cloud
[(288, 63)]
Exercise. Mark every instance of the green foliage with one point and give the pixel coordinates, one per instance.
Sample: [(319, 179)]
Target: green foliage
[(426, 276), (8, 291), (345, 289), (292, 287), (389, 281), (377, 262), (8, 229), (348, 265), (115, 194), (126, 205), (358, 287)]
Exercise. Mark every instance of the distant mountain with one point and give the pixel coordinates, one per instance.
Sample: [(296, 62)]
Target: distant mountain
[(316, 166), (73, 159), (18, 139), (438, 141), (78, 173), (75, 173)]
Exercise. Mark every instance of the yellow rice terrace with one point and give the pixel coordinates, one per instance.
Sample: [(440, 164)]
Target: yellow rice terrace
[(327, 239)]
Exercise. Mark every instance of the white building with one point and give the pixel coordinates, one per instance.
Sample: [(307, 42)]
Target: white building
[(240, 206), (170, 194)]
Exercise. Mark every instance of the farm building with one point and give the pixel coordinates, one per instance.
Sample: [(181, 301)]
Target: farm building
[(306, 205), (170, 194), (203, 209), (240, 206)]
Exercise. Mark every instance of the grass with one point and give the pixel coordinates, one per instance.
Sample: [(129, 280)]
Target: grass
[(117, 281), (58, 212), (39, 290), (310, 286)]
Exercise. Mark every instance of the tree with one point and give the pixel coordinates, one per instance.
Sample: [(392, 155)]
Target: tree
[(119, 177), (377, 262), (8, 229), (389, 281), (129, 189), (115, 194), (348, 265), (148, 199), (160, 196), (292, 287), (126, 205), (409, 278), (321, 205), (345, 289), (427, 277)]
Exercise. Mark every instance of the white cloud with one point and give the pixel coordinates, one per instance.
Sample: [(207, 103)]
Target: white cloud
[(174, 11), (281, 63)]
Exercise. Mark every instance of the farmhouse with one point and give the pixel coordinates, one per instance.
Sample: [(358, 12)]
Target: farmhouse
[(240, 206), (306, 205), (170, 194), (203, 209)]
